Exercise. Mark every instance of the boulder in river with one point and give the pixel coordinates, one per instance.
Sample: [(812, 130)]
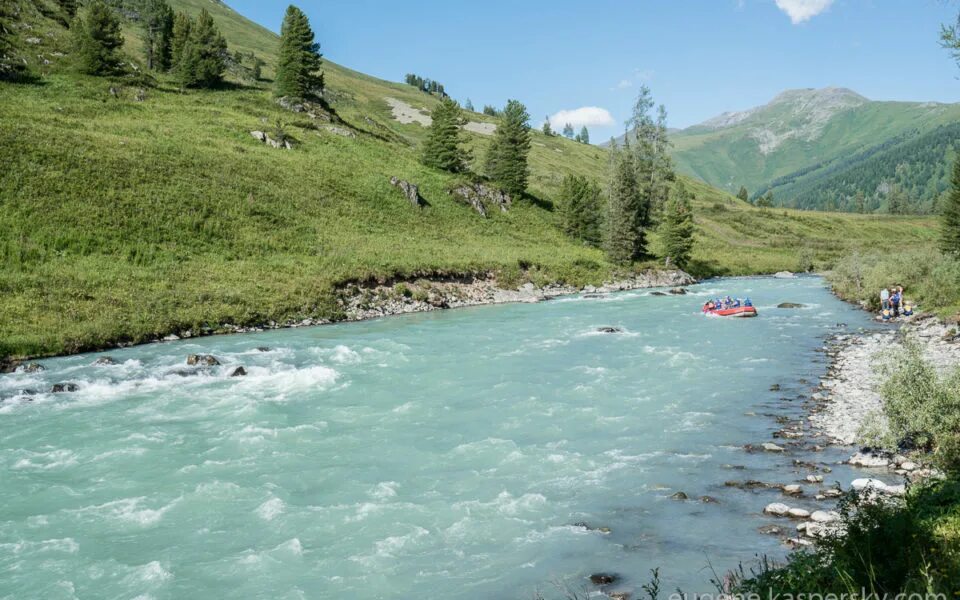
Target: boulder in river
[(59, 388), (679, 496), (202, 359), (263, 349), (709, 500), (866, 459), (104, 361), (32, 368), (798, 513), (784, 275), (790, 305), (770, 530), (771, 447), (823, 516), (678, 291), (603, 578), (609, 330), (792, 489), (238, 372), (777, 509)]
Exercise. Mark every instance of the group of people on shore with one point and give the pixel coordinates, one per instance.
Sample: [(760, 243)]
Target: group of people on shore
[(893, 304)]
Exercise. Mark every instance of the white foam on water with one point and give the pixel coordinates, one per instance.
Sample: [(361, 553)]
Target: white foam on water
[(128, 511), (45, 461), (152, 572), (271, 509), (59, 545), (384, 490), (136, 451)]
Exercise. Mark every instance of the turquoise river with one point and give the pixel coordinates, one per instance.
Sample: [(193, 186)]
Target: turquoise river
[(442, 455)]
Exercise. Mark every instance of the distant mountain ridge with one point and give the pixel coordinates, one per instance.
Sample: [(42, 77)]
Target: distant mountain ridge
[(800, 134)]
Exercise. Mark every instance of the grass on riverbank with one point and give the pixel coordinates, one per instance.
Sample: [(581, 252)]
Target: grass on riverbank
[(122, 220)]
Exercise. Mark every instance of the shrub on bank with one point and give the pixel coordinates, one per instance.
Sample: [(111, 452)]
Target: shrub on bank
[(930, 278)]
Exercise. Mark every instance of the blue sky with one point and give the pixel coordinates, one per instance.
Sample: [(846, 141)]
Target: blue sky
[(700, 57)]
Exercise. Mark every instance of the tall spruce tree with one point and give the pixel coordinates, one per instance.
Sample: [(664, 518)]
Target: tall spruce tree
[(298, 65), (547, 130), (202, 61), (506, 160), (950, 215), (766, 201), (97, 38), (442, 149), (568, 131), (180, 36), (644, 144), (157, 21), (676, 230), (584, 135), (580, 208), (743, 194), (897, 202), (624, 235), (860, 202), (468, 105)]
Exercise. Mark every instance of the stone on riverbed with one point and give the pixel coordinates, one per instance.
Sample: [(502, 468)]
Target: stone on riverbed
[(202, 359), (603, 578), (771, 447), (679, 496), (862, 459), (104, 361), (238, 372), (59, 388), (790, 305), (798, 513), (824, 516), (32, 368), (609, 330), (793, 489), (777, 509)]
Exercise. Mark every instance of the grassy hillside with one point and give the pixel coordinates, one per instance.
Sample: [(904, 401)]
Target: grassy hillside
[(801, 133), (123, 219)]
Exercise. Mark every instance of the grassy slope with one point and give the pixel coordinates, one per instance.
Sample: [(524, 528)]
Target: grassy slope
[(124, 220), (729, 158)]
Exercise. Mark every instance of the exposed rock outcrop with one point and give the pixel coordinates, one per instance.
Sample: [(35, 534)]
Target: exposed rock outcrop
[(266, 139), (481, 196), (410, 190)]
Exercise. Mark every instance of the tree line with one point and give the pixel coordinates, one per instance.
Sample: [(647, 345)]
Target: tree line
[(425, 84), (192, 50)]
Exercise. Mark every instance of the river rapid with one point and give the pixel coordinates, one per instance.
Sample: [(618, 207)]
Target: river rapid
[(449, 455)]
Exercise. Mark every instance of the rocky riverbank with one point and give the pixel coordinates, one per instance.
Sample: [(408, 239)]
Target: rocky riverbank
[(372, 300)]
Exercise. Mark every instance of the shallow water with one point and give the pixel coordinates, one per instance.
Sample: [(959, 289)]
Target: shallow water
[(424, 456)]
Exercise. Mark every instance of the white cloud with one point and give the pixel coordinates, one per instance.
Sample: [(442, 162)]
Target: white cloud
[(624, 84), (591, 116), (803, 10)]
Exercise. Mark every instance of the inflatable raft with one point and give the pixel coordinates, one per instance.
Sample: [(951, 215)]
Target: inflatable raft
[(740, 311)]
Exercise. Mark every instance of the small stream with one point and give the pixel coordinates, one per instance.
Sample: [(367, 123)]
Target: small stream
[(448, 454)]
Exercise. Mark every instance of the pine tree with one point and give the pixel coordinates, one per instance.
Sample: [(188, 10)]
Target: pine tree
[(468, 105), (676, 231), (442, 149), (96, 39), (202, 61), (490, 111), (506, 161), (950, 215), (157, 22), (182, 25), (624, 237), (584, 135), (580, 208), (547, 130), (897, 203), (766, 201), (299, 61), (743, 194), (651, 158), (258, 65), (860, 202), (568, 131)]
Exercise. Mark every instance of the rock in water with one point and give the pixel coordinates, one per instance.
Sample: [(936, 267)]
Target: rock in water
[(202, 359), (59, 388), (33, 368), (603, 578), (771, 447), (823, 516), (863, 459), (709, 500), (679, 496), (790, 305), (104, 361), (777, 509), (609, 330), (238, 372), (679, 291), (798, 513), (784, 275), (793, 490), (410, 190)]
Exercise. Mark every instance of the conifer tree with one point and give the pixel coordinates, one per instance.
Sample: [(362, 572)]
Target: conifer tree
[(950, 215), (490, 111), (202, 59), (580, 207), (468, 105), (157, 22), (860, 202), (743, 194), (676, 231), (624, 237), (584, 135), (298, 65), (766, 201), (182, 25), (506, 160), (568, 131), (897, 203), (96, 40), (547, 130), (442, 149), (69, 8)]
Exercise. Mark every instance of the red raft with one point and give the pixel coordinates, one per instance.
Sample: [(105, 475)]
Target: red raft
[(740, 311)]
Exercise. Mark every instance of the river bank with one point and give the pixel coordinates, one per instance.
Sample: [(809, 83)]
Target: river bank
[(360, 301)]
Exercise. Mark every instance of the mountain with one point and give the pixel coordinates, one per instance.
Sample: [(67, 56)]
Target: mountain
[(804, 136), (130, 209)]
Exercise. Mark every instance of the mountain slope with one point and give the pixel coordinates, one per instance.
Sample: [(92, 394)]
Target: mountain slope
[(123, 219), (799, 133)]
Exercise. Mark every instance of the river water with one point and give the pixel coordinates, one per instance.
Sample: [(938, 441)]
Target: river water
[(442, 455)]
